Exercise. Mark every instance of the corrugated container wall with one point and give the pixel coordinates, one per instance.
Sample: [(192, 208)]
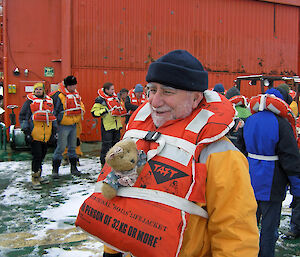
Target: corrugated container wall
[(32, 43), (117, 40)]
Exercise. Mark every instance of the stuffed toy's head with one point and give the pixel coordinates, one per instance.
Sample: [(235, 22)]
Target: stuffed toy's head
[(126, 163), (123, 156)]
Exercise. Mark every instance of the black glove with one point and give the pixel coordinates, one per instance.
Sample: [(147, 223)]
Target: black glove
[(26, 131), (78, 141), (28, 139), (53, 139)]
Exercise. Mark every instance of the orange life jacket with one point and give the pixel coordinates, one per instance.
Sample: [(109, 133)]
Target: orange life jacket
[(239, 100), (113, 103), (41, 108), (134, 100), (73, 101), (155, 227), (274, 104)]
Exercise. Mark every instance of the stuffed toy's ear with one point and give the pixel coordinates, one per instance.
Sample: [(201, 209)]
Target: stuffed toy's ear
[(116, 150)]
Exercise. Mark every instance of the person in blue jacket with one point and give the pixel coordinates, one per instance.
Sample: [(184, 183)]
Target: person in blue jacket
[(274, 163)]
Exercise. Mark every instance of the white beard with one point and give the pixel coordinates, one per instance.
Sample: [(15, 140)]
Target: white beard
[(161, 120)]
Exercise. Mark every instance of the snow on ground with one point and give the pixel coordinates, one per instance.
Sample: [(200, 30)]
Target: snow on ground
[(51, 211), (42, 222)]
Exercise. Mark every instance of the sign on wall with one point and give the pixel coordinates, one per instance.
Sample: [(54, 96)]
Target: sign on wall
[(49, 72)]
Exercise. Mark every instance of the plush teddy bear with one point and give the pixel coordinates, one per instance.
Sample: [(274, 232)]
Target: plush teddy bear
[(126, 162)]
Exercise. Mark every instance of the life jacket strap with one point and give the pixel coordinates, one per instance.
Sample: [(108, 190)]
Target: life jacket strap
[(175, 141), (263, 157), (158, 197)]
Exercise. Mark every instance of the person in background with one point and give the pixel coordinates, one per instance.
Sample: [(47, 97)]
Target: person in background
[(69, 111), (293, 104), (134, 99), (219, 88), (167, 125), (78, 146), (122, 95), (294, 231), (37, 121), (78, 143), (274, 161), (108, 107), (240, 103)]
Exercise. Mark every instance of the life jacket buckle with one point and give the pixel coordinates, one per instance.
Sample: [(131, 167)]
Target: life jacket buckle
[(152, 136)]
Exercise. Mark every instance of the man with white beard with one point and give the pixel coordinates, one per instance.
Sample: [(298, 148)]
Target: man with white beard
[(182, 130)]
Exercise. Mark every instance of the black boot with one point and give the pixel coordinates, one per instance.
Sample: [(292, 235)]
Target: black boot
[(55, 168), (74, 170)]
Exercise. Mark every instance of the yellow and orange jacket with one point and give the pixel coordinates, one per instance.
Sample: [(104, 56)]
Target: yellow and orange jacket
[(68, 107), (36, 116), (102, 109)]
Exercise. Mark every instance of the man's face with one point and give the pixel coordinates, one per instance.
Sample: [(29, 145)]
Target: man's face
[(71, 88), (168, 103), (138, 95), (39, 91), (110, 91), (124, 95)]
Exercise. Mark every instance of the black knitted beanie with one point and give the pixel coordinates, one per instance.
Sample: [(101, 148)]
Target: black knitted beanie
[(178, 69)]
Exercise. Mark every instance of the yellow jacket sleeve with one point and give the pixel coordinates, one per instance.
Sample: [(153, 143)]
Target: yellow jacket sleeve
[(109, 121), (231, 228), (98, 110), (231, 205)]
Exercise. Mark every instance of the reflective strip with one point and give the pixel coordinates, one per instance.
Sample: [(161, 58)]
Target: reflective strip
[(158, 197), (176, 154), (217, 137), (173, 148), (273, 109), (175, 141), (262, 103), (199, 121), (211, 96), (255, 107), (216, 147), (143, 113), (263, 157), (72, 109)]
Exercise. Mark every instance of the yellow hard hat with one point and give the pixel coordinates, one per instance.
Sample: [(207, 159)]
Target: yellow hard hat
[(38, 84)]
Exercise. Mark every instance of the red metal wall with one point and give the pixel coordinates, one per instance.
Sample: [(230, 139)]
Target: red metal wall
[(32, 40), (100, 41), (117, 40)]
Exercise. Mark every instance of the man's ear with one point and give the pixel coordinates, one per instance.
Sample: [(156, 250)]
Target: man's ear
[(198, 96)]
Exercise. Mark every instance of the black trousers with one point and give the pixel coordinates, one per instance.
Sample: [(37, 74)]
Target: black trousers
[(38, 151), (109, 138)]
